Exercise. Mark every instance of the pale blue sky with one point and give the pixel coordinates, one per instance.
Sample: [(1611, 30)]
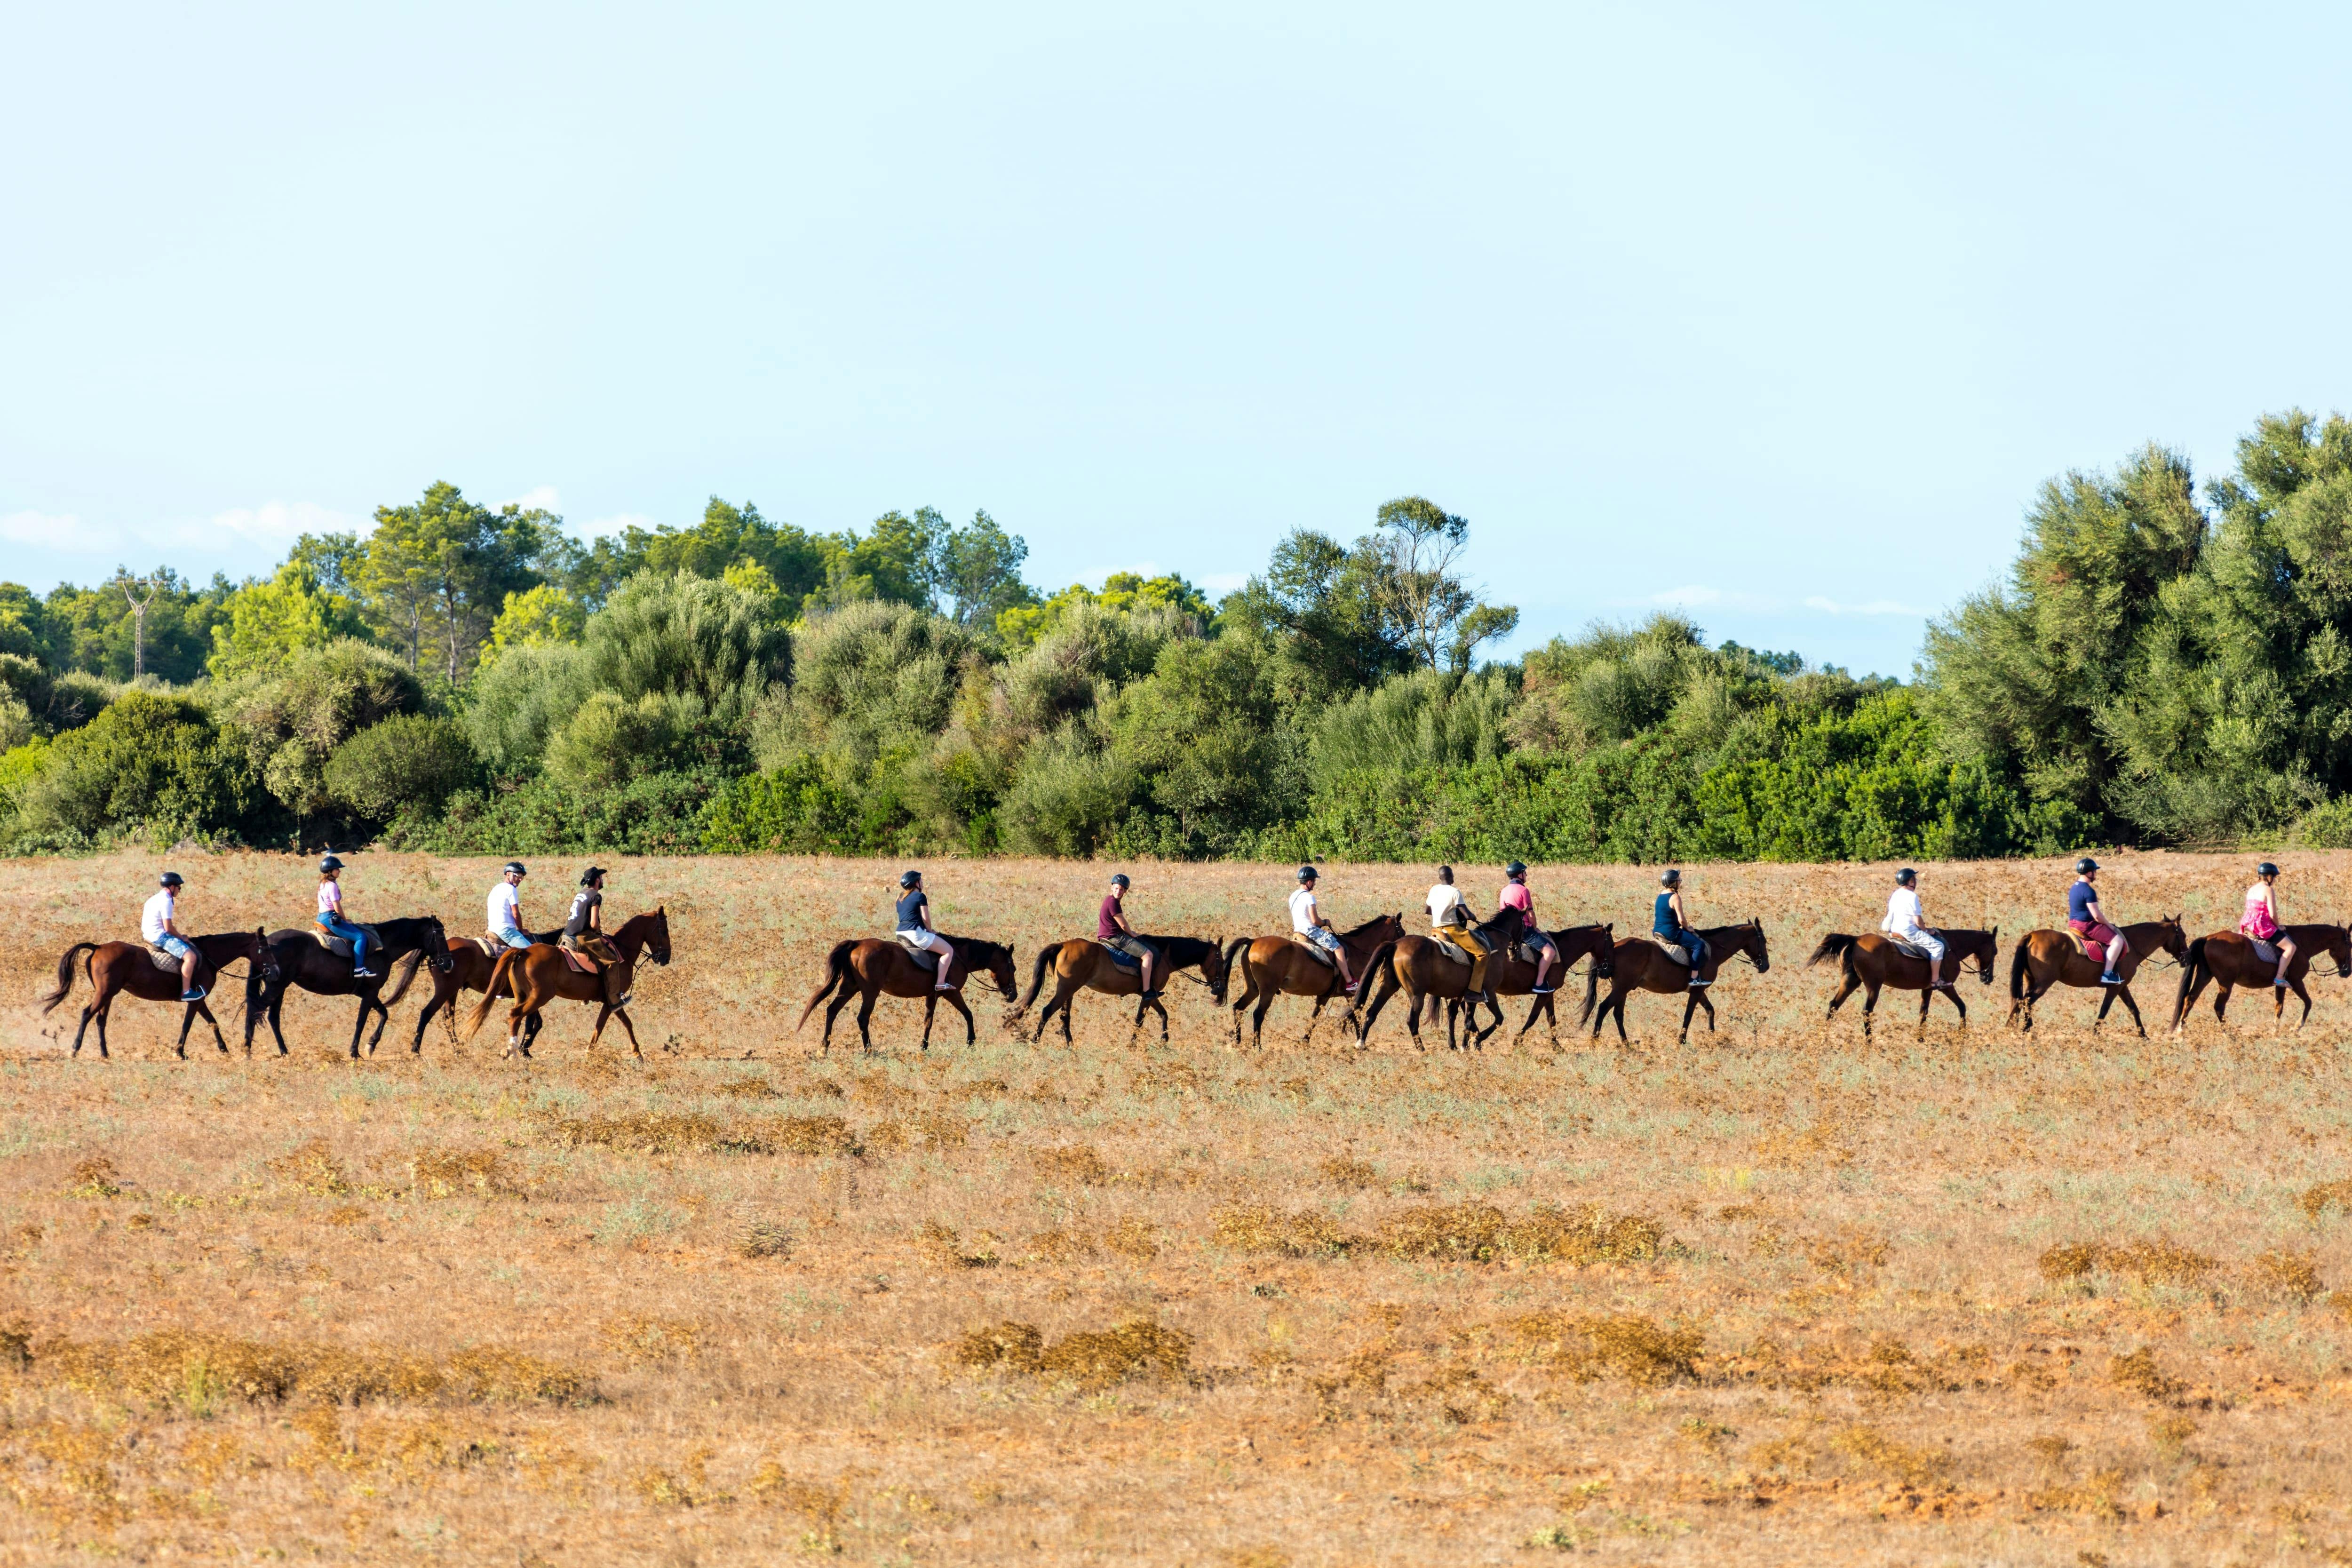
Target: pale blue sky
[(1778, 313)]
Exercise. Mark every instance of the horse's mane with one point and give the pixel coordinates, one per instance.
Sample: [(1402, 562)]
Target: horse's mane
[(406, 926), (1367, 925), (1506, 923), (642, 917), (975, 948), (1183, 950)]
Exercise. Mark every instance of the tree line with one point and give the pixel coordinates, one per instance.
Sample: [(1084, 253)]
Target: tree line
[(2164, 664)]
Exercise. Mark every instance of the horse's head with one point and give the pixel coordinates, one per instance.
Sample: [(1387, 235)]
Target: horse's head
[(1989, 955), (658, 939), (2176, 938), (262, 956), (998, 961), (436, 946), (2339, 948), (1752, 945), (1216, 971)]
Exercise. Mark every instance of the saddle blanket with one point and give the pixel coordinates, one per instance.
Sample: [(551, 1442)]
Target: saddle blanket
[(1318, 955), (1451, 949), (165, 961), (1674, 950), (1907, 949), (2264, 952), (2096, 951), (925, 959), (340, 948), (580, 962), (487, 947), (1126, 960)]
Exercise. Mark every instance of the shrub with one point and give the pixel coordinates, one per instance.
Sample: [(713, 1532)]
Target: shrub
[(519, 700), (661, 813), (149, 765), (611, 741), (289, 719), (408, 762), (685, 636)]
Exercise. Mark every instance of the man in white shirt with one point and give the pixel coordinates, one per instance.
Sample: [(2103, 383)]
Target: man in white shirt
[(1306, 920), (1907, 922), (505, 907), (158, 922)]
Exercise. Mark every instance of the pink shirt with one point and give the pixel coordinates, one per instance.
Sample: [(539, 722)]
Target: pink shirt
[(1515, 896), (2257, 921), (330, 898)]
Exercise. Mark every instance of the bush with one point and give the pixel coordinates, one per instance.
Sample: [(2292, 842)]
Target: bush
[(519, 700), (405, 765), (53, 700), (611, 739), (685, 636), (793, 810), (1068, 797), (661, 813), (2327, 827), (291, 717), (149, 765)]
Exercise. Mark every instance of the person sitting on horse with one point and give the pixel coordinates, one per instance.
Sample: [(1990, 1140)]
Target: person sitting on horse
[(2087, 919), (1671, 926), (583, 932), (2260, 924), (1307, 923), (505, 907), (915, 926), (1112, 929), (158, 922), (1515, 896), (331, 921), (1906, 921)]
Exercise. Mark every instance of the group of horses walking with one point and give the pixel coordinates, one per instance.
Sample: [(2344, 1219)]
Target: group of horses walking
[(274, 961)]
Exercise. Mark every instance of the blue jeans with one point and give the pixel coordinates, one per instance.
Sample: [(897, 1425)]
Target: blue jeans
[(335, 925), (511, 937)]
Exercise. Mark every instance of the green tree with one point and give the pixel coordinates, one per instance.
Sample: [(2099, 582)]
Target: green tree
[(975, 572), (437, 572), (1435, 615), (266, 623), (151, 766), (728, 534), (1328, 614)]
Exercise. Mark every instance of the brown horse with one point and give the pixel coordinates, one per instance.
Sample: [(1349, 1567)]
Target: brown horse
[(1084, 965), (2227, 959), (1419, 966), (119, 966), (302, 960), (2046, 958), (1513, 976), (537, 975), (469, 970), (1273, 966), (877, 966), (1641, 965), (1871, 961)]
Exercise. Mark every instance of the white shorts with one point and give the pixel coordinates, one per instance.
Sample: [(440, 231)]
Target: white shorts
[(1932, 945), (925, 941)]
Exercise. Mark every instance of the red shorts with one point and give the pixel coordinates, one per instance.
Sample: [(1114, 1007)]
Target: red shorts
[(2095, 937)]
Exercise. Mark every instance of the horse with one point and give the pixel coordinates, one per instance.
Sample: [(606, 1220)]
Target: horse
[(1640, 964), (2046, 958), (1419, 966), (1871, 961), (1272, 966), (1082, 965), (302, 960), (469, 970), (2227, 959), (1510, 976), (119, 966), (873, 967), (541, 973)]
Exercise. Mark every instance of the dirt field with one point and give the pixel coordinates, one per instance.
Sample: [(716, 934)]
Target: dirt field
[(1774, 1296)]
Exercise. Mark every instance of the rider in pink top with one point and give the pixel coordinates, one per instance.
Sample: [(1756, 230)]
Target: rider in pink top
[(1515, 896), (2260, 922)]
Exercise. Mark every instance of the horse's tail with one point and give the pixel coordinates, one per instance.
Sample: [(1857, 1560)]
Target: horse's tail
[(65, 973), (1834, 945), (408, 976), (2194, 971), (1381, 956), (2017, 968), (1047, 953), (474, 1019), (836, 971), (1237, 962)]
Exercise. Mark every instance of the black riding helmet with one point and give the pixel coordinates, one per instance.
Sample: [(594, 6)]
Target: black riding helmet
[(1516, 869), (1905, 877), (168, 879), (1119, 880), (517, 867), (2265, 869), (591, 875), (1670, 878), (2085, 865), (329, 863), (1306, 874), (909, 879)]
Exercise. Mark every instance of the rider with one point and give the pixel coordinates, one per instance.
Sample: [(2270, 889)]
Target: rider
[(1669, 924), (505, 907), (584, 932), (159, 923), (2087, 919), (915, 926), (1451, 918), (1113, 931), (1515, 896), (331, 917), (1307, 922), (2261, 922), (1907, 922)]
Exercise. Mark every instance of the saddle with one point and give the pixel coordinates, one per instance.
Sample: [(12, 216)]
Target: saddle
[(2096, 951), (1126, 960), (340, 948), (165, 961), (486, 946), (925, 959), (1313, 952), (1674, 950), (580, 962), (1907, 949), (2264, 951)]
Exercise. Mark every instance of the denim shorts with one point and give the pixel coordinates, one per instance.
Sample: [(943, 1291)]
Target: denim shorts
[(174, 946)]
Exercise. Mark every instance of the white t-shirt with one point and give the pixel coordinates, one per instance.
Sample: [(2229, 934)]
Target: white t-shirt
[(1444, 900), (506, 909), (1904, 917), (159, 909), (1302, 910)]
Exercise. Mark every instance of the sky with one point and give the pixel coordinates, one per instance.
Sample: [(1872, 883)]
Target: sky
[(1778, 316)]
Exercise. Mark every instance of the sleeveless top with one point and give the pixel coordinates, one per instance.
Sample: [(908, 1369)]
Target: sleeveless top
[(1663, 922), (2256, 921)]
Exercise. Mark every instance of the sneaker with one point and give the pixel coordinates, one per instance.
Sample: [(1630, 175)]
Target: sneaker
[(366, 974), (196, 995), (1541, 990), (1697, 982), (2111, 978), (2279, 983), (626, 998)]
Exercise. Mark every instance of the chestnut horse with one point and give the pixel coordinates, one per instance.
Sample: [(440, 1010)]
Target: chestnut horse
[(1419, 966), (1082, 964), (873, 967), (2227, 959), (537, 975), (469, 970), (1642, 964), (1871, 961), (1274, 966), (2047, 957), (302, 960), (119, 966), (1513, 977)]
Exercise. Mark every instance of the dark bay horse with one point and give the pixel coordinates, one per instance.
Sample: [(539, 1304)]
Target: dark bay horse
[(2227, 959), (418, 938), (2047, 957), (541, 973), (873, 967), (1082, 964), (469, 970), (1513, 977), (1871, 961), (1273, 966), (1641, 965), (119, 966)]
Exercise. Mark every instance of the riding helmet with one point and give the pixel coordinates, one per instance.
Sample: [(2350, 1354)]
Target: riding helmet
[(168, 879), (2265, 869), (1516, 869), (1119, 880), (2085, 864), (1670, 878), (594, 873), (1306, 874), (517, 867), (908, 878), (1905, 877), (329, 863)]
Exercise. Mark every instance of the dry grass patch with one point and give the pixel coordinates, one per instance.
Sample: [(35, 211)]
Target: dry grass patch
[(924, 1130), (764, 1238), (1261, 1227), (311, 1167), (174, 1368), (2288, 1272), (1080, 1163), (1913, 1464), (1093, 1360), (640, 1339), (94, 1176), (2314, 1201), (446, 1173), (2159, 1262), (1589, 1348)]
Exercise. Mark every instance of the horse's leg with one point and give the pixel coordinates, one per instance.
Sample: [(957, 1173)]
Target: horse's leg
[(1690, 1010), (2221, 1001), (382, 1017), (971, 1030), (277, 1022), (432, 1006), (218, 1038), (187, 1022), (105, 1011), (2125, 991), (1257, 1023), (931, 1011), (629, 1028), (1413, 1019), (866, 1017), (1315, 1017), (833, 1011), (1848, 984), (2294, 984), (1869, 1009)]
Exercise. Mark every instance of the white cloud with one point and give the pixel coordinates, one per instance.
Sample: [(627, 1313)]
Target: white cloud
[(1688, 597), (61, 531), (539, 497), (601, 526), (273, 523), (1874, 608)]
